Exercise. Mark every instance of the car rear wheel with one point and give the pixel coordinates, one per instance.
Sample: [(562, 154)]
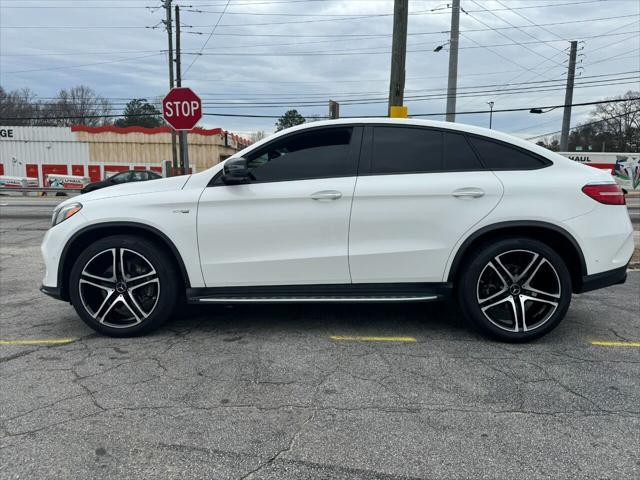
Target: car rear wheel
[(123, 285), (515, 290)]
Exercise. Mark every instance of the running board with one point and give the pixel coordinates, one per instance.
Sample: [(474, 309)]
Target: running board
[(340, 293)]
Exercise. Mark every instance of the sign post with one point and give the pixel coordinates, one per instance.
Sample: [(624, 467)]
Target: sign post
[(182, 110)]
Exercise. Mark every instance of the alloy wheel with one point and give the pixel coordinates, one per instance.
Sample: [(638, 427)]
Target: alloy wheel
[(119, 287), (518, 290)]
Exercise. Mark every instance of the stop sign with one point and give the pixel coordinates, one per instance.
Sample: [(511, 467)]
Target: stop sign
[(182, 108)]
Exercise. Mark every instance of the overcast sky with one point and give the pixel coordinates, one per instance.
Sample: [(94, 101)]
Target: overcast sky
[(288, 52)]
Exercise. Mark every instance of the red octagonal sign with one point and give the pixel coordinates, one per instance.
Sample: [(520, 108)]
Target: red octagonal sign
[(182, 108)]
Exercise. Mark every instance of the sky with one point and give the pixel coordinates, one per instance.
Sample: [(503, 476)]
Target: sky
[(262, 57)]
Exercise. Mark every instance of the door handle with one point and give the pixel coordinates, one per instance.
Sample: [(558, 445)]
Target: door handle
[(326, 195), (470, 192)]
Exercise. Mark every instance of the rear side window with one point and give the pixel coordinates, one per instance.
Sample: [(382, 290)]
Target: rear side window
[(406, 150), (458, 154), (317, 153), (122, 177), (500, 156)]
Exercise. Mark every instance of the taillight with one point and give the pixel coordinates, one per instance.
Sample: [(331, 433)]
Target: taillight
[(607, 193)]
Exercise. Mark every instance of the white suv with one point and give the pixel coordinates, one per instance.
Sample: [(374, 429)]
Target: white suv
[(368, 210)]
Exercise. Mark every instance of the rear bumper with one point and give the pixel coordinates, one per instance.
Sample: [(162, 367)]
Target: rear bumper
[(603, 279)]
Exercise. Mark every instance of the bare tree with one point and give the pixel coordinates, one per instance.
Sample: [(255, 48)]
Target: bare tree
[(257, 136), (77, 106), (613, 127), (551, 143), (19, 107), (621, 119)]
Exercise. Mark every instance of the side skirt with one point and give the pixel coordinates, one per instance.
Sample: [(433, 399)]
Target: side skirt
[(351, 292)]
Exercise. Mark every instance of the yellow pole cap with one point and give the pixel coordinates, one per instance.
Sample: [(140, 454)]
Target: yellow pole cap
[(400, 111)]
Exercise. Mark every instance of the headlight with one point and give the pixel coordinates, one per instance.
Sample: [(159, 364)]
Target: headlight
[(60, 214)]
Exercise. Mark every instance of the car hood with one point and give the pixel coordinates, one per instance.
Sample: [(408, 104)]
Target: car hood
[(133, 188)]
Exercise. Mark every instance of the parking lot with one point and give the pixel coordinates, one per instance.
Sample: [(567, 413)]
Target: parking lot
[(310, 391)]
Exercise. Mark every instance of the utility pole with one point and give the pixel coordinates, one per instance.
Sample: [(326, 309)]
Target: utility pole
[(398, 57), (184, 147), (452, 84), (334, 110), (568, 98), (167, 6), (491, 104)]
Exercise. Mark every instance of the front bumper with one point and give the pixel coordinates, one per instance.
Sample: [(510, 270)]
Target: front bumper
[(53, 292), (52, 246), (602, 279)]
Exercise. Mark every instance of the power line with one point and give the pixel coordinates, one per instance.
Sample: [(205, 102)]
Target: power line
[(586, 124), (319, 99), (522, 109), (510, 27), (552, 67), (508, 59), (519, 27), (322, 20), (507, 36), (117, 52), (374, 100), (359, 81), (550, 5), (241, 115), (298, 54), (611, 44), (65, 54), (209, 37), (492, 12), (66, 67), (325, 94), (619, 56), (409, 98), (366, 51), (513, 10)]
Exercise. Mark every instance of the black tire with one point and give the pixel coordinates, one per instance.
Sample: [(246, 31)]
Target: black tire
[(526, 310), (143, 291)]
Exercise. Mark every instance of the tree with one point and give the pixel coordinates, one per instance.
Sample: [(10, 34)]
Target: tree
[(139, 112), (257, 136), (613, 127), (291, 118), (77, 106), (81, 105), (18, 104), (550, 143)]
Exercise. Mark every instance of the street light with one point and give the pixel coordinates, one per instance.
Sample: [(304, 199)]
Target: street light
[(440, 47), (540, 110), (490, 113)]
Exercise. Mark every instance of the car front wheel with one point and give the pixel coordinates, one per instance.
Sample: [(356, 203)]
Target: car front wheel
[(123, 285), (515, 290)]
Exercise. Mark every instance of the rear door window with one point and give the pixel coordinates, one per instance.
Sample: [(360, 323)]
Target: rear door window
[(459, 156)]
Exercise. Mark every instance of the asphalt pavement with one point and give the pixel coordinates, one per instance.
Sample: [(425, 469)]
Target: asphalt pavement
[(310, 391)]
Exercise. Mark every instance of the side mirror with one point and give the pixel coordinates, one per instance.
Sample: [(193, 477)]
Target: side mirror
[(235, 171)]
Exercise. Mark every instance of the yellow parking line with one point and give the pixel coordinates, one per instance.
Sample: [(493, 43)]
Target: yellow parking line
[(47, 341), (371, 339), (601, 343)]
